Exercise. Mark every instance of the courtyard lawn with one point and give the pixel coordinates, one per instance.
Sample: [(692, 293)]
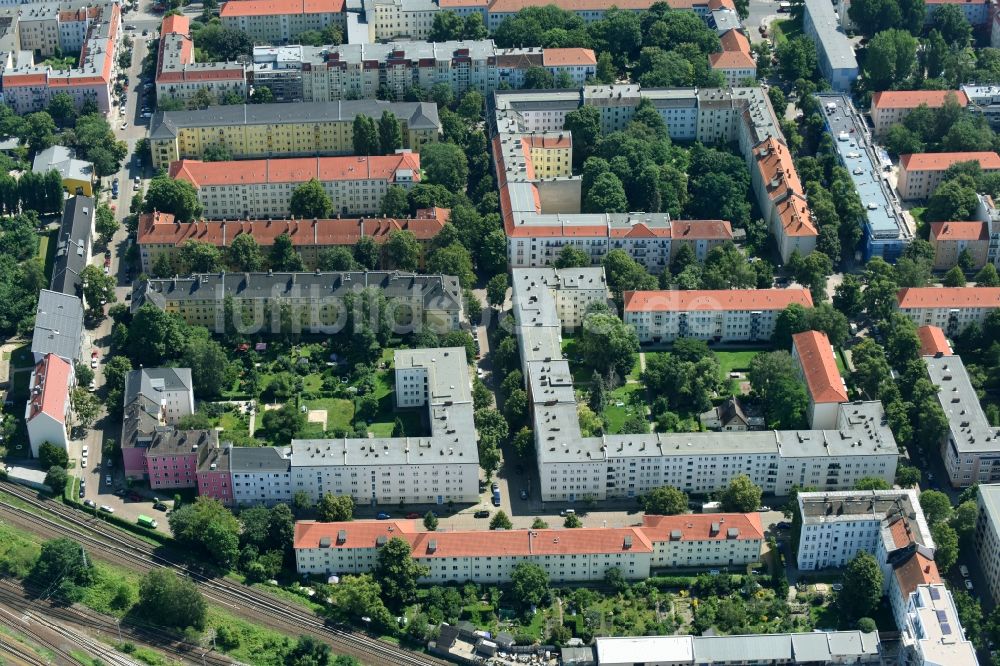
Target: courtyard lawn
[(47, 251), (786, 29), (339, 411), (615, 413)]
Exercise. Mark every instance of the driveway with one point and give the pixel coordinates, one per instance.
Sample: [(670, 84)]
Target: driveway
[(761, 12)]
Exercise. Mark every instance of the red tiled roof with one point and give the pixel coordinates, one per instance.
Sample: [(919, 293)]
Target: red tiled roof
[(701, 230), (474, 543), (731, 60), (715, 299), (819, 367), (941, 161), (294, 170), (513, 6), (698, 527), (955, 231), (161, 229), (235, 8), (911, 99), (948, 297), (50, 392), (557, 57), (916, 571), (933, 341)]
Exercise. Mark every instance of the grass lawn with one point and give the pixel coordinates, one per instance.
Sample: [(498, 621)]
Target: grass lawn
[(841, 362), (923, 231), (20, 357), (786, 29), (733, 361), (47, 251), (617, 414)]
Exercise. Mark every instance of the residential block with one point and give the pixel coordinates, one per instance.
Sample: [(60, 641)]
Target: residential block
[(921, 173), (892, 106), (179, 77)]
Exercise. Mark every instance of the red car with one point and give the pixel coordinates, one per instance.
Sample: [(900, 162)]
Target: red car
[(413, 514)]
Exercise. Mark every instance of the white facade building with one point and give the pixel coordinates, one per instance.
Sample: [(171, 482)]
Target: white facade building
[(988, 535), (260, 475), (47, 410), (951, 309)]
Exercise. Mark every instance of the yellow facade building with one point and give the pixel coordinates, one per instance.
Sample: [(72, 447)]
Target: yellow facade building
[(282, 130)]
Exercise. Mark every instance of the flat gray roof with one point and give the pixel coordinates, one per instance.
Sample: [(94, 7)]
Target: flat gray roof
[(252, 459), (58, 325), (832, 40), (968, 426), (74, 243)]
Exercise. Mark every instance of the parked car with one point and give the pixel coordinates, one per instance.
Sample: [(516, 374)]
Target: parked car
[(964, 570), (784, 525), (383, 516), (413, 514), (567, 512), (82, 491), (107, 509), (968, 585), (83, 463), (524, 494), (107, 479), (89, 502), (160, 506), (482, 513)]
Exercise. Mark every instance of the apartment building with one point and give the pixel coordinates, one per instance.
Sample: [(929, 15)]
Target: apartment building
[(949, 308), (985, 99), (734, 61), (583, 554), (886, 234), (921, 173), (723, 315), (155, 400), (172, 456), (43, 28), (970, 448), (213, 475), (179, 77), (367, 70), (951, 239), (260, 475), (834, 49), (783, 203), (263, 189), (540, 199), (572, 467), (159, 233), (47, 410), (280, 21), (259, 131), (933, 342), (931, 631), (817, 364), (58, 327), (977, 12), (988, 535), (892, 106), (318, 302), (74, 246), (78, 176), (818, 648)]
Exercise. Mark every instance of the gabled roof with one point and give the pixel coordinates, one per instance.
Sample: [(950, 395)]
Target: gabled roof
[(49, 391), (955, 231), (819, 367), (715, 299), (236, 8), (74, 243), (941, 161), (933, 341), (295, 169), (948, 297), (704, 527), (911, 99), (915, 571)]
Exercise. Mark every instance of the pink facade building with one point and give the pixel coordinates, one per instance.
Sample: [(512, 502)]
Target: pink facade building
[(214, 478), (155, 400), (172, 457)]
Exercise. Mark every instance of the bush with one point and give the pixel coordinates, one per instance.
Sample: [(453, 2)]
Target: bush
[(867, 625)]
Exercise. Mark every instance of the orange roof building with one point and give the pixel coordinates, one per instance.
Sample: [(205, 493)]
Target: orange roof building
[(261, 189), (179, 77), (582, 554), (724, 315), (782, 198), (47, 410), (921, 173), (933, 341), (951, 309), (279, 21), (892, 106), (953, 239), (734, 60), (160, 233), (814, 355)]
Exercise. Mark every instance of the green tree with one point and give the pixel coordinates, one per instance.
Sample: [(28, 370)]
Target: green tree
[(665, 501), (335, 508), (262, 95), (606, 195), (572, 521), (403, 250), (529, 584), (106, 225), (115, 371), (196, 256), (445, 164), (177, 197), (775, 381), (63, 567), (211, 371), (447, 26), (452, 260), (946, 540), (430, 521), (741, 495), (283, 256), (284, 424), (98, 288), (244, 254), (847, 296), (907, 476), (987, 277), (571, 257), (62, 109), (367, 252), (936, 506), (310, 200), (500, 521), (365, 136), (397, 573), (171, 601), (206, 526), (952, 25), (891, 58), (607, 343), (309, 651), (57, 479), (496, 290), (390, 133), (954, 277), (85, 406), (872, 483), (337, 258), (862, 586), (952, 200), (50, 455), (585, 126), (395, 203)]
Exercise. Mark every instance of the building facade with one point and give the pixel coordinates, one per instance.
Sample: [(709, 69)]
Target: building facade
[(833, 48), (951, 309), (276, 303), (75, 244), (277, 22), (179, 77), (921, 173), (155, 400), (892, 106), (261, 131), (159, 233), (47, 410), (263, 189), (725, 315), (814, 356), (951, 239), (988, 535)]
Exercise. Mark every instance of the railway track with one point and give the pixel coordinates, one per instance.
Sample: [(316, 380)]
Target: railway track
[(253, 605)]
